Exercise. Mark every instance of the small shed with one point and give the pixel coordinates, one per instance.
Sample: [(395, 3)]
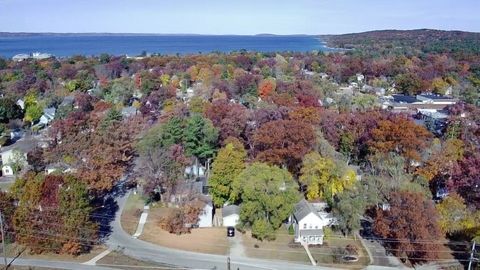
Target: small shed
[(230, 215)]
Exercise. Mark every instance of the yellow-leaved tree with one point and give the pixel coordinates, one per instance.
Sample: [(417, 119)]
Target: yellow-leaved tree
[(324, 178)]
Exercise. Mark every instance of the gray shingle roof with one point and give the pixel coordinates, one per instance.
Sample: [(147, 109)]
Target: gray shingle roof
[(302, 209), (230, 210)]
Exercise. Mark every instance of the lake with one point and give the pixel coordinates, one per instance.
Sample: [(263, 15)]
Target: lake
[(67, 45)]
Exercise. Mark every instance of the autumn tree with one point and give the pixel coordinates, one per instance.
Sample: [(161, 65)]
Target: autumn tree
[(99, 154), (283, 142), (310, 115), (466, 178), (229, 118), (454, 215), (266, 87), (160, 169), (267, 195), (229, 162), (7, 205), (324, 178), (53, 205), (443, 160), (180, 220), (411, 224), (400, 135)]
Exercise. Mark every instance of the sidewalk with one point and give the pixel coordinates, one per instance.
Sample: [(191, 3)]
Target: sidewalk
[(141, 222)]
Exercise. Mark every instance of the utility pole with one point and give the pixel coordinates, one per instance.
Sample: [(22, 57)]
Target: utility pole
[(471, 257), (3, 241)]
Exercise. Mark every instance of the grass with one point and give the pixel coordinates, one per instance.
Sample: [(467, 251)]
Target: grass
[(121, 261), (14, 249), (205, 240), (276, 250), (131, 213), (283, 248)]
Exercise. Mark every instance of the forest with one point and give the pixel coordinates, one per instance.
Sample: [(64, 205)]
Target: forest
[(273, 128)]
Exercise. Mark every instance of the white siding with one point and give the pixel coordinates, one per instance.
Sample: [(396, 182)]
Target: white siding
[(312, 221), (231, 220), (206, 217)]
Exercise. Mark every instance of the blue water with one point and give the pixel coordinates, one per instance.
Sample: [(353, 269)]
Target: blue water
[(133, 45)]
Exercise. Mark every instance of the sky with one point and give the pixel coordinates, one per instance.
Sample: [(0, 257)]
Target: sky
[(242, 17)]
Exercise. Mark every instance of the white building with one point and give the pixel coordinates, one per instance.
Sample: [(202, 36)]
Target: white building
[(10, 156), (40, 56), (194, 171), (20, 57), (309, 221), (230, 215), (48, 116), (206, 215), (21, 103)]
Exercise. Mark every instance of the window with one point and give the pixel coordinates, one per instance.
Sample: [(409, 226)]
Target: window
[(304, 225), (316, 227), (310, 226)]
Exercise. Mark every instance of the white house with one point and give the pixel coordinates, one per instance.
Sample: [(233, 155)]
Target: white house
[(194, 171), (21, 57), (48, 116), (309, 221), (206, 215), (16, 153), (9, 156), (230, 215), (21, 103)]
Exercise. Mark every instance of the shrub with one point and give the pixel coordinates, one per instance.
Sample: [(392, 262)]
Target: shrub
[(327, 232), (291, 230), (263, 230)]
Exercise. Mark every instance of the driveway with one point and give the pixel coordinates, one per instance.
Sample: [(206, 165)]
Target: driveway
[(142, 250)]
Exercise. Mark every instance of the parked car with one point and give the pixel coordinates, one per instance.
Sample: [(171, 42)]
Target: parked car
[(230, 231)]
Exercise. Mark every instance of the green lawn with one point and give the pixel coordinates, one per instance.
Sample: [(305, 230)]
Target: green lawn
[(283, 248)]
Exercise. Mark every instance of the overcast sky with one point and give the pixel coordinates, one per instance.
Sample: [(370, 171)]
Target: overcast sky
[(236, 16)]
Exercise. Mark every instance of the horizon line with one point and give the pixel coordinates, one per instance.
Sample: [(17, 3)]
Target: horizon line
[(206, 34)]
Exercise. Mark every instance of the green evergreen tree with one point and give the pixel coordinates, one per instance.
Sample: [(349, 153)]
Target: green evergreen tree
[(200, 137)]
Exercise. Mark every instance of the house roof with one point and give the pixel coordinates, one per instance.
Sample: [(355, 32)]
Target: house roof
[(23, 146), (404, 99), (230, 210), (436, 97), (303, 209)]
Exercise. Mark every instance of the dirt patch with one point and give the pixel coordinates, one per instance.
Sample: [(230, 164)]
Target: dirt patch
[(121, 261), (205, 240)]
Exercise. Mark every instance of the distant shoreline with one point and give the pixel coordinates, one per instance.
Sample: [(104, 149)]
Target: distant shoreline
[(23, 34), (122, 44)]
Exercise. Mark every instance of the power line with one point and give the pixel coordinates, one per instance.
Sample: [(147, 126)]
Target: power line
[(388, 240)]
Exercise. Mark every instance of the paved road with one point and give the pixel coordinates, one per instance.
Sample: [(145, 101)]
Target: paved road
[(142, 250), (55, 264), (380, 256)]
